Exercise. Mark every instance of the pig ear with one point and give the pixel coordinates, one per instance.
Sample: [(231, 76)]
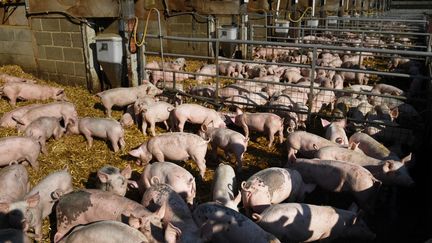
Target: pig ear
[(134, 222), (239, 111), (238, 198), (387, 166), (103, 177), (154, 180), (148, 89), (407, 160), (172, 233), (324, 122), (353, 220), (135, 152), (33, 200), (244, 187), (127, 172), (59, 92), (256, 217), (204, 127), (18, 120), (4, 207), (353, 145), (160, 213), (394, 113)]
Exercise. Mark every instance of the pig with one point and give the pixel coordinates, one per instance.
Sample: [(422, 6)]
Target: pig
[(7, 118), (27, 91), (305, 143), (195, 114), (309, 222), (268, 123), (270, 186), (156, 112), (203, 90), (169, 77), (107, 231), (87, 206), (126, 96), (111, 179), (14, 183), (180, 180), (338, 176), (38, 203), (225, 187), (223, 224), (390, 172), (371, 147), (12, 79), (209, 69), (256, 71), (291, 76), (18, 149), (105, 128), (386, 89), (227, 69), (14, 235), (65, 110), (226, 139), (173, 146), (43, 129), (128, 118), (177, 216), (335, 131), (139, 104)]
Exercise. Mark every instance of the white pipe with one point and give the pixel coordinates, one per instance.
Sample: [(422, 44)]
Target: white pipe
[(277, 8), (313, 8)]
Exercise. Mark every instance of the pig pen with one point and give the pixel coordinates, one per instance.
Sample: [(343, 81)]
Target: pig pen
[(394, 220), (392, 223)]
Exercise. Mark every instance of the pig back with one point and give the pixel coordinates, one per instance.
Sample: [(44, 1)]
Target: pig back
[(17, 149), (13, 183)]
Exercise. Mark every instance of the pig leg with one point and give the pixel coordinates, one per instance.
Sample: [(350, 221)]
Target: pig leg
[(180, 125), (12, 100), (38, 232), (239, 160), (43, 145), (107, 106), (159, 156), (122, 143), (166, 125), (33, 162), (245, 127), (291, 154), (144, 127), (114, 143), (270, 134), (281, 137), (152, 128)]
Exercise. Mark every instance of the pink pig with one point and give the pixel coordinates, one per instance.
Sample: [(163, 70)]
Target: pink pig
[(26, 91)]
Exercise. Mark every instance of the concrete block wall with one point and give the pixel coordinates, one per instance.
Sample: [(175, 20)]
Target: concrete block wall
[(16, 47), (59, 50)]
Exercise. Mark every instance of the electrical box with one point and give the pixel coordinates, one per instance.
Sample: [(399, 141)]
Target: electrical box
[(109, 50)]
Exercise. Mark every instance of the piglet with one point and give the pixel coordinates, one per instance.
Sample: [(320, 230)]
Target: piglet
[(306, 143), (19, 149), (173, 146), (87, 206), (7, 118), (43, 129), (225, 187), (13, 79), (271, 186), (106, 231), (65, 110), (222, 224), (268, 123), (156, 112), (339, 176), (113, 180), (14, 183), (38, 203), (180, 226), (195, 114), (180, 180), (335, 131), (105, 128), (126, 96), (372, 147), (228, 140), (390, 172), (27, 91), (311, 223)]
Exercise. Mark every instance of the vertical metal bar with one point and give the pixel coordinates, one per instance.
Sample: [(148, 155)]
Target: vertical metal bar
[(312, 74), (217, 69), (161, 46)]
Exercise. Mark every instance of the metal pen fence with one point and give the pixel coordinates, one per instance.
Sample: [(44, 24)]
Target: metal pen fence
[(254, 93)]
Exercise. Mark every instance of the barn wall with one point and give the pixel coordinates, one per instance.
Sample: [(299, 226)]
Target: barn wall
[(49, 47)]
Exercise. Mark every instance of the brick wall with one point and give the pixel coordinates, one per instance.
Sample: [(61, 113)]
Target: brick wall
[(16, 47), (59, 50)]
